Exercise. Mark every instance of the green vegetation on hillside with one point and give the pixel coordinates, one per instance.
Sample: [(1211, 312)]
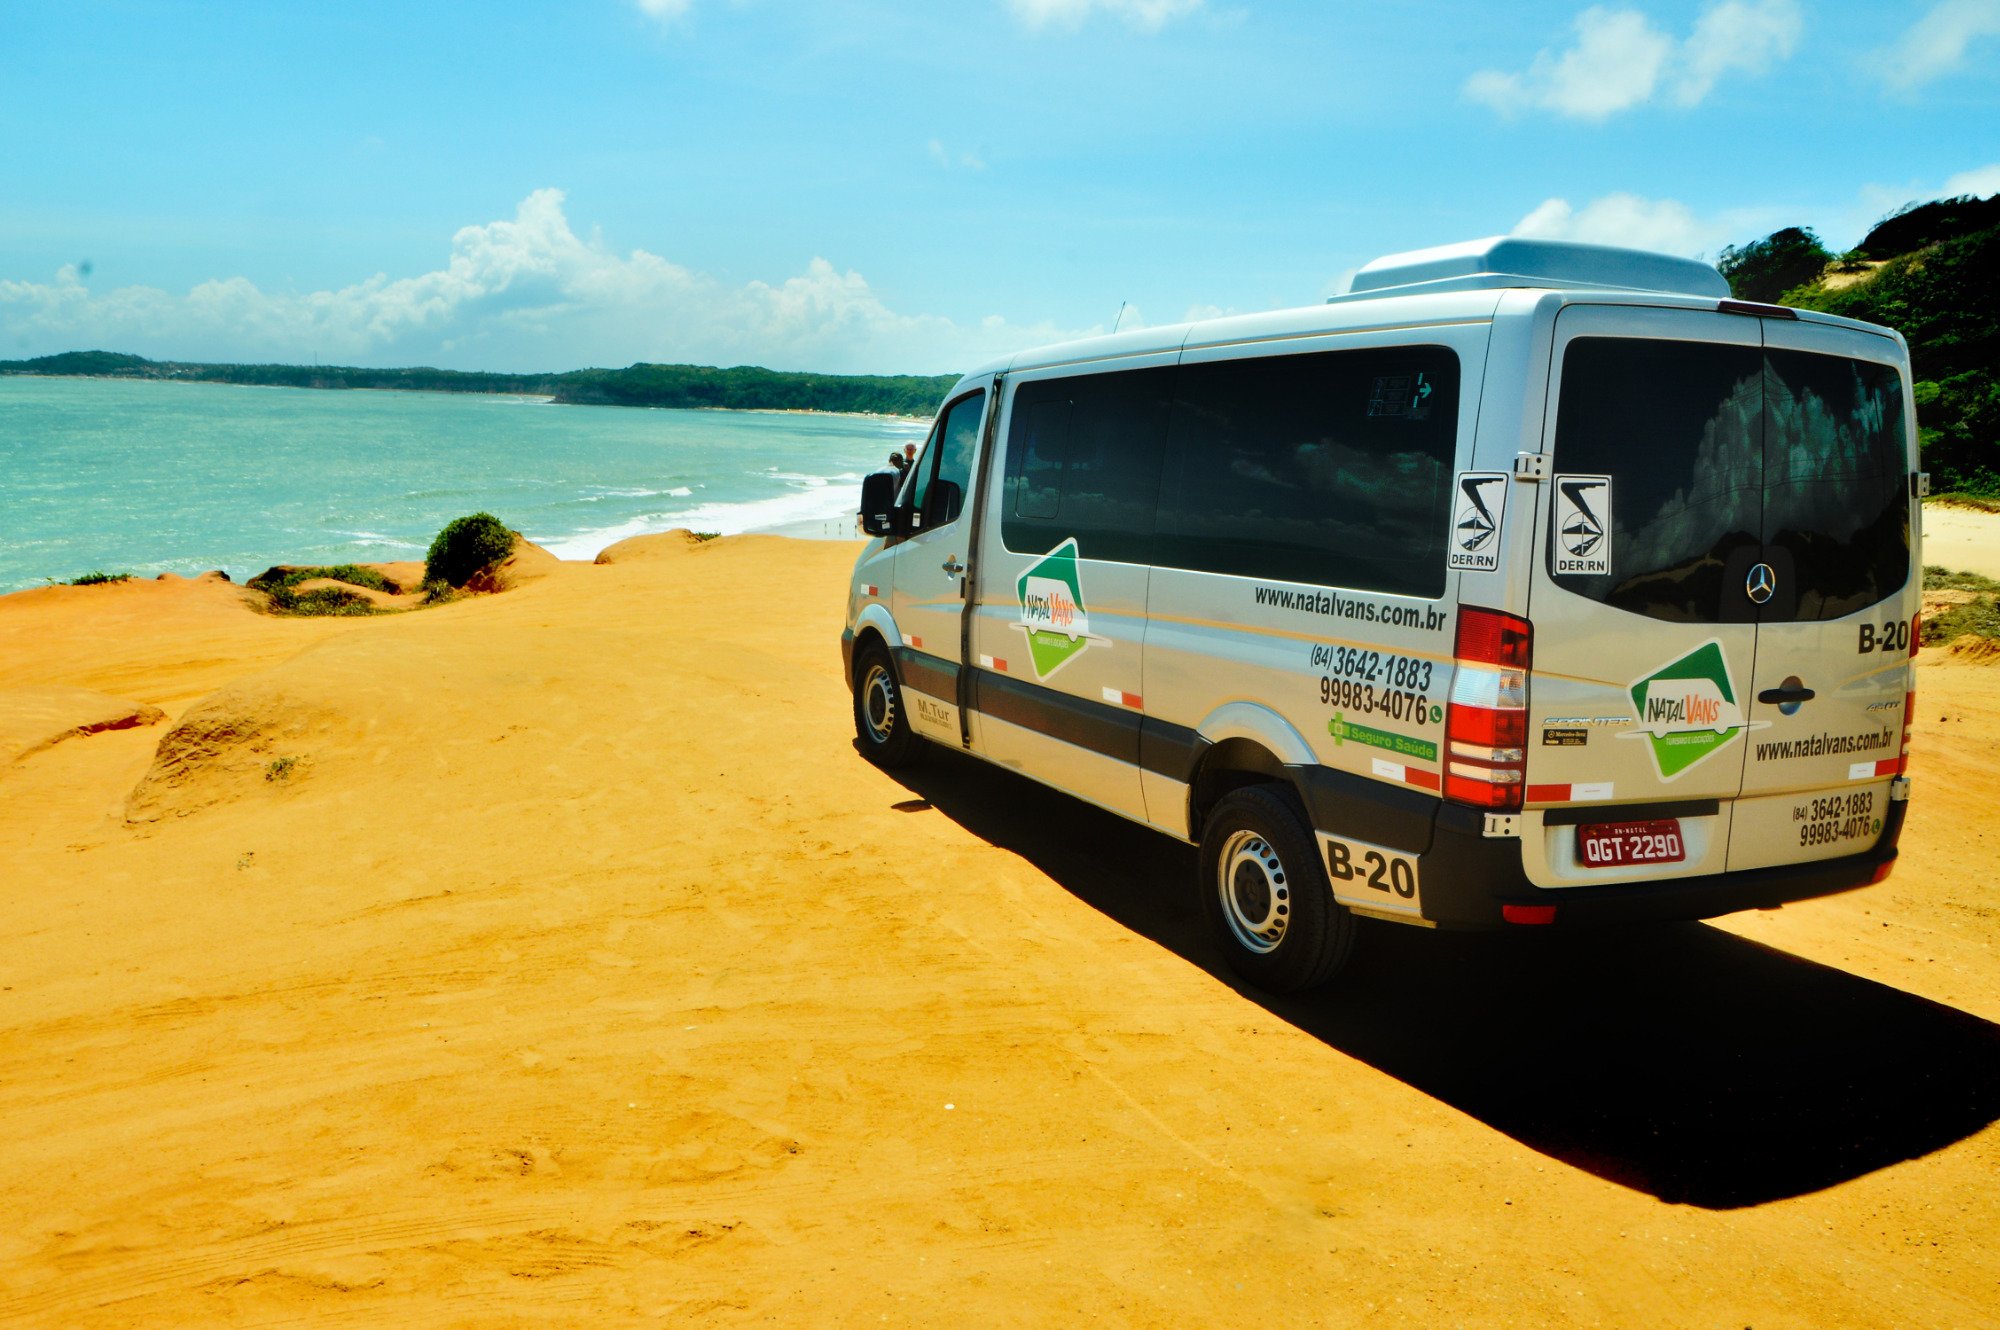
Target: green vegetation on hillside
[(1764, 270), (743, 388), (1916, 225), (1938, 284)]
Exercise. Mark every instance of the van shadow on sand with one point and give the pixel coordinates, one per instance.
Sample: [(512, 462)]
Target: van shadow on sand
[(1681, 1061)]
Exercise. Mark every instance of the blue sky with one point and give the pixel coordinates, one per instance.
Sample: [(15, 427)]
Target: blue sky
[(903, 188)]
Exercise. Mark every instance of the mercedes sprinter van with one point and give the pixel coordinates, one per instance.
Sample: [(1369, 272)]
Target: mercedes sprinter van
[(1527, 583)]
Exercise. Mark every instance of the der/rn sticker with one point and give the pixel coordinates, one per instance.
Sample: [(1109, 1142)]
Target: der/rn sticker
[(1479, 504), (1583, 525)]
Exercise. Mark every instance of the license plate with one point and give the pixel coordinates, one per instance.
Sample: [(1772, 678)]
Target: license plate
[(1613, 844)]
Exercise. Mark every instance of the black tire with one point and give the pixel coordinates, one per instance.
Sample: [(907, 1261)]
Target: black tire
[(881, 718), (1265, 893)]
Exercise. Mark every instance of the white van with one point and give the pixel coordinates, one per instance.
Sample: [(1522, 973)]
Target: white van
[(1526, 584)]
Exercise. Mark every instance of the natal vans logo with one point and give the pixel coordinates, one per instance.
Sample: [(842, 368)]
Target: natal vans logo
[(1052, 610), (1687, 710)]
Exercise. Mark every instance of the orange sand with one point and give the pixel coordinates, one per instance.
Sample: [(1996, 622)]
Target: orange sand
[(574, 970)]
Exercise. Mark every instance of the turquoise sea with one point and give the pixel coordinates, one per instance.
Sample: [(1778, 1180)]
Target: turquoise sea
[(150, 477)]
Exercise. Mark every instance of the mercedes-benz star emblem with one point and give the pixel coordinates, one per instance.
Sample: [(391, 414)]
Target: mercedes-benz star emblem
[(1761, 583)]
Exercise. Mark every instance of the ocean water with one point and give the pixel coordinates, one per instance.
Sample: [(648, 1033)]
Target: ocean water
[(149, 477)]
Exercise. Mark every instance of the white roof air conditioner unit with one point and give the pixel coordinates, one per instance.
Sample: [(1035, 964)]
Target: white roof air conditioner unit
[(1513, 261)]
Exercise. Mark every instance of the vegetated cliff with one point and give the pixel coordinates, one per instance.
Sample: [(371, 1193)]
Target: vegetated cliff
[(743, 387), (1932, 272)]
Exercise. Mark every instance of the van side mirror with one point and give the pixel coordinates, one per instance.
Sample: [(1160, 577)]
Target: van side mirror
[(878, 503)]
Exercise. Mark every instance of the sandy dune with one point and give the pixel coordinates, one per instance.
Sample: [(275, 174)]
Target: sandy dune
[(1962, 538), (551, 958)]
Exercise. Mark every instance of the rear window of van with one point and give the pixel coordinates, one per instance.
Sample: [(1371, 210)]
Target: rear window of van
[(1720, 456)]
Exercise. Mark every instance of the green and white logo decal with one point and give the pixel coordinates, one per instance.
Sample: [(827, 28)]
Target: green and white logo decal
[(1052, 610), (1403, 745), (1687, 710)]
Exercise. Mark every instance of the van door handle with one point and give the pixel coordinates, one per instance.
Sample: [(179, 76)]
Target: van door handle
[(953, 567), (1780, 696)]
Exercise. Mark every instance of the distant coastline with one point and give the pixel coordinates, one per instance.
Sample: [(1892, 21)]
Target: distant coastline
[(740, 388)]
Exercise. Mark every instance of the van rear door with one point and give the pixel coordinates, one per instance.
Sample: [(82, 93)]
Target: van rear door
[(1826, 704), (1644, 647)]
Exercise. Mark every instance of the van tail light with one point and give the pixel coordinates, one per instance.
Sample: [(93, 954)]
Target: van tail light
[(1486, 721)]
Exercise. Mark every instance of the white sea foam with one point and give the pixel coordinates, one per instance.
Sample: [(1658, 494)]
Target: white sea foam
[(819, 503)]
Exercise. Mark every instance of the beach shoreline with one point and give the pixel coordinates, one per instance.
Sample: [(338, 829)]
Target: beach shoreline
[(112, 477)]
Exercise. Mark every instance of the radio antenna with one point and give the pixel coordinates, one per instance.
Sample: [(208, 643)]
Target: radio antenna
[(1121, 316)]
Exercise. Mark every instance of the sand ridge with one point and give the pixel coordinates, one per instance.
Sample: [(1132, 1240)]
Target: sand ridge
[(577, 970)]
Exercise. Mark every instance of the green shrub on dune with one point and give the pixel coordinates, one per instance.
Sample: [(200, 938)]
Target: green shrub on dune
[(281, 585), (353, 574), (324, 600), (467, 547)]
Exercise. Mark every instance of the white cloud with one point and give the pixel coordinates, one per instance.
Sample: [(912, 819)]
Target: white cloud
[(1151, 15), (1615, 64), (1665, 225), (944, 157), (1735, 35), (663, 11), (1982, 181), (1936, 44), (522, 294), (1620, 60)]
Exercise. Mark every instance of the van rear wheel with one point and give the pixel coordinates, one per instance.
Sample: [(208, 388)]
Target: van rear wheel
[(1265, 893), (881, 718)]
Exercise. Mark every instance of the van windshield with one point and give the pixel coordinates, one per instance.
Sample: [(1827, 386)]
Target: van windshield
[(1681, 465)]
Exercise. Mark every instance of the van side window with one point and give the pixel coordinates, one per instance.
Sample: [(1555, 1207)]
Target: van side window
[(944, 471), (1083, 460), (1036, 479), (1332, 467)]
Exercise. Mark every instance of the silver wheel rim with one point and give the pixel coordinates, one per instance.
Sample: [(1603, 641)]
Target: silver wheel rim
[(878, 703), (1255, 891)]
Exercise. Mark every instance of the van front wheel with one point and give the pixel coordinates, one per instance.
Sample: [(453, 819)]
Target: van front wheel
[(881, 721), (1266, 895)]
